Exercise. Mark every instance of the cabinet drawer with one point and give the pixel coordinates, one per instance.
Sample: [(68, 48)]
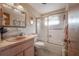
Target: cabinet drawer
[(20, 54), (16, 49)]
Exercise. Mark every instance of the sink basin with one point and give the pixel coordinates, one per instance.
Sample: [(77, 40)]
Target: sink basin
[(14, 39)]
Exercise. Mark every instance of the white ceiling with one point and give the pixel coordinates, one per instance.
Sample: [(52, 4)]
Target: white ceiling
[(44, 8)]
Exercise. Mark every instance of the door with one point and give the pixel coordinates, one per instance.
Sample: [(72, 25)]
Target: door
[(73, 30), (56, 34), (1, 15), (29, 51)]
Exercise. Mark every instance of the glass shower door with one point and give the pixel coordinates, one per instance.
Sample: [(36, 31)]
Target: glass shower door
[(56, 34)]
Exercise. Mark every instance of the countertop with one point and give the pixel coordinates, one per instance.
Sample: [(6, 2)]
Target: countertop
[(5, 44)]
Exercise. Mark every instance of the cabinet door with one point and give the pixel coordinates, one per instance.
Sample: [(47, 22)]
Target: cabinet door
[(29, 52)]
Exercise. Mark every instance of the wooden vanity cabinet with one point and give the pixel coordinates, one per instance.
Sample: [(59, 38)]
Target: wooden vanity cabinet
[(25, 48)]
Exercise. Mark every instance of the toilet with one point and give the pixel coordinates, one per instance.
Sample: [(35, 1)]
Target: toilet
[(39, 45), (41, 48)]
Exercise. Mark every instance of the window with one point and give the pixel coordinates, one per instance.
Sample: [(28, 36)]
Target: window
[(56, 21)]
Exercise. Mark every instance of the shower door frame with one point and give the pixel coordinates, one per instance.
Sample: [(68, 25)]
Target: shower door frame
[(66, 39), (65, 29)]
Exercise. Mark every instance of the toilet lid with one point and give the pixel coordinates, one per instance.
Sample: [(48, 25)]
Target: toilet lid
[(40, 44)]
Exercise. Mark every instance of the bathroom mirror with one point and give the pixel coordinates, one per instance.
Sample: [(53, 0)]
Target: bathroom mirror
[(13, 17)]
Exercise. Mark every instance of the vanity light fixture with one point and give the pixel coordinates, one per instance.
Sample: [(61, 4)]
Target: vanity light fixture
[(20, 7), (31, 21), (14, 6)]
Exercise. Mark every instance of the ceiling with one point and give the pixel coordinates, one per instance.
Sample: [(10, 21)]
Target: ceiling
[(44, 8)]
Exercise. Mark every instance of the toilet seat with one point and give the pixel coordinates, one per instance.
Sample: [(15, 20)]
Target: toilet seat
[(39, 44)]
